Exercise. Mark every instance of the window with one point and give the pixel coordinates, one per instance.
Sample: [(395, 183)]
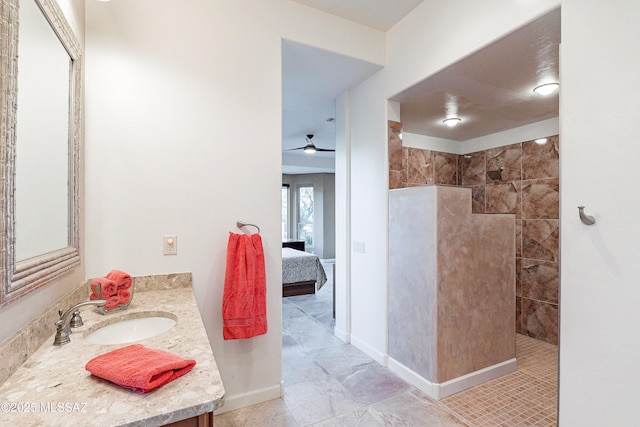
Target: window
[(285, 211), (305, 215)]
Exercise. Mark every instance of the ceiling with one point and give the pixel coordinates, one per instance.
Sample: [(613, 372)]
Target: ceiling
[(491, 89), (378, 14), (312, 79)]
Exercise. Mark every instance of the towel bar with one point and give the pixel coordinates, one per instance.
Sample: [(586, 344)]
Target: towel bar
[(241, 224)]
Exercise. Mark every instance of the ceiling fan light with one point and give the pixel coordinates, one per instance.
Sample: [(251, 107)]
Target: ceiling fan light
[(451, 121), (309, 149), (546, 89)]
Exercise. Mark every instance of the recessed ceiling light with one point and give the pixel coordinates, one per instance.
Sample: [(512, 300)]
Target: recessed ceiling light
[(541, 141), (546, 89), (451, 121)]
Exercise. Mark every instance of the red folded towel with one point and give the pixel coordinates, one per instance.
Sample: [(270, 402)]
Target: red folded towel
[(103, 286), (139, 368), (123, 280), (124, 295), (112, 302), (244, 305)]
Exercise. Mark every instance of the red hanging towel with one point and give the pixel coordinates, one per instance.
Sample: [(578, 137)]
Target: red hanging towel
[(244, 303)]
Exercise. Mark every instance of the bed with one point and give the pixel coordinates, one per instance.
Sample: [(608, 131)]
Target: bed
[(302, 273)]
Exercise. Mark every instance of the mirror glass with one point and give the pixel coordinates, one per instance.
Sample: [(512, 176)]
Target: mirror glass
[(41, 109), (42, 132)]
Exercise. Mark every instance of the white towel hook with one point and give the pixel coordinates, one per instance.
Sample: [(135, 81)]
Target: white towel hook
[(586, 219)]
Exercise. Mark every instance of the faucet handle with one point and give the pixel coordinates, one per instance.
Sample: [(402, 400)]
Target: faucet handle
[(60, 313), (76, 320), (62, 336), (63, 325)]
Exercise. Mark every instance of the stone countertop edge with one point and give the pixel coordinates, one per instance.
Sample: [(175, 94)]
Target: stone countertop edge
[(52, 388)]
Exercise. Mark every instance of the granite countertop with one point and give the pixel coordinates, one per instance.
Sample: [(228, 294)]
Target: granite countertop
[(52, 388)]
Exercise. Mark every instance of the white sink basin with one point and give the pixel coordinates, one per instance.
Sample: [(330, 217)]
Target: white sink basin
[(130, 330)]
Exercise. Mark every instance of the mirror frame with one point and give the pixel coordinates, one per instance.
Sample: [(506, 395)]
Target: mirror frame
[(22, 276)]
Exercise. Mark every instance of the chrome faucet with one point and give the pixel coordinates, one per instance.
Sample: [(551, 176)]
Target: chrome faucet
[(64, 324)]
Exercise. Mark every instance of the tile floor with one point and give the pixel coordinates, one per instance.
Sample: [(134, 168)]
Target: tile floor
[(328, 383)]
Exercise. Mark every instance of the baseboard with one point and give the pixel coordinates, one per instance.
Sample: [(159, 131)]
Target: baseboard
[(381, 358), (478, 377), (342, 335), (447, 388), (416, 380), (243, 400)]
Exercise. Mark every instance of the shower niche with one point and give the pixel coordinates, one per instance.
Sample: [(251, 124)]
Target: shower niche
[(451, 290)]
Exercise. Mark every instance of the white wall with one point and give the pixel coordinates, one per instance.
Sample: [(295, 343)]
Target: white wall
[(599, 314), (184, 137), (499, 139), (342, 267), (17, 314), (433, 36)]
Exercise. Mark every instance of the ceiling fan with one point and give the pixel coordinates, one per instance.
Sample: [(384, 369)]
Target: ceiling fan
[(310, 147)]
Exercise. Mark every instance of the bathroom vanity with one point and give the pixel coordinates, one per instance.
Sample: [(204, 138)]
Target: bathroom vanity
[(451, 290), (52, 388)]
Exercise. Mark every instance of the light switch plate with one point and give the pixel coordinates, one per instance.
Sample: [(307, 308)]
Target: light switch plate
[(170, 245), (358, 247)]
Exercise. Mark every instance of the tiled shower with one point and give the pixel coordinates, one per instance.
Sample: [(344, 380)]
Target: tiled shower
[(527, 186)]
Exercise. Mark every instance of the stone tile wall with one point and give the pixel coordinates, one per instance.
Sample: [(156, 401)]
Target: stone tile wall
[(528, 187)]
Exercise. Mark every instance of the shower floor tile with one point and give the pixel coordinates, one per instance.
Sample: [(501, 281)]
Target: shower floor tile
[(526, 397)]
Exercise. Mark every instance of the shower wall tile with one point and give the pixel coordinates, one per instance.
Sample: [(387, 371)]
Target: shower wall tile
[(540, 239), (518, 238), (503, 198), (509, 157), (397, 157), (396, 153), (528, 187), (445, 168), (420, 166), (540, 199), (540, 280), (397, 179), (405, 162), (473, 168), (541, 161), (518, 276), (519, 315), (540, 320), (478, 199)]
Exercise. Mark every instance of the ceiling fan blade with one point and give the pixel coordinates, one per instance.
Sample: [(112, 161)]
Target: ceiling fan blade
[(316, 148), (310, 147)]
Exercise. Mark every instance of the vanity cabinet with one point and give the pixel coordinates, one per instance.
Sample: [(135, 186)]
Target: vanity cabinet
[(204, 420)]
